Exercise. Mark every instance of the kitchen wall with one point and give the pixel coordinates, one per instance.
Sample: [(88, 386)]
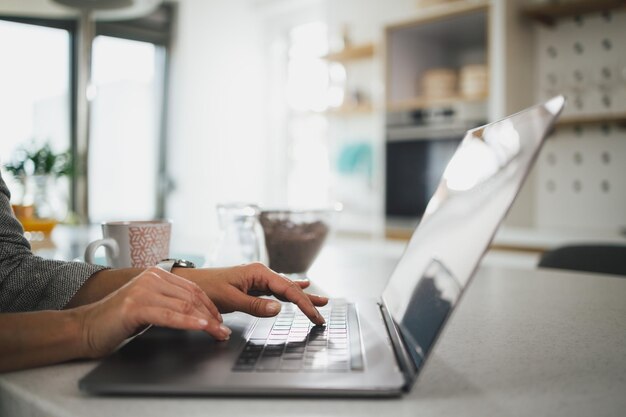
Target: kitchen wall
[(217, 135), (223, 147)]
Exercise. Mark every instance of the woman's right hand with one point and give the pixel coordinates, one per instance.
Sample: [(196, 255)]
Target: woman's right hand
[(156, 297)]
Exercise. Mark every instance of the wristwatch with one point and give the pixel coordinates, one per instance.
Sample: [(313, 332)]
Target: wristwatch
[(171, 263)]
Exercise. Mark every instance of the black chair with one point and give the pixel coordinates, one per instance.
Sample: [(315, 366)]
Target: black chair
[(606, 259)]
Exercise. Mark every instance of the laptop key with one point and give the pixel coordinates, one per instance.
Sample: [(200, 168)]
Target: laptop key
[(276, 341), (268, 364), (292, 343), (339, 365), (247, 360), (291, 365), (316, 348), (294, 350), (261, 330), (253, 348), (243, 368), (250, 354), (292, 356)]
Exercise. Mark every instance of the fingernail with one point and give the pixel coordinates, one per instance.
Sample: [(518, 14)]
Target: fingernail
[(320, 318), (273, 307), (225, 330), (202, 322)]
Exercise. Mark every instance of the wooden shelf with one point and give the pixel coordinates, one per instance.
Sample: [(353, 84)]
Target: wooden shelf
[(423, 102), (441, 12), (549, 13), (352, 53), (349, 110), (619, 119)]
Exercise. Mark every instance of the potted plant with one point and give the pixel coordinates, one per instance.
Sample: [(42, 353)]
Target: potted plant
[(36, 168)]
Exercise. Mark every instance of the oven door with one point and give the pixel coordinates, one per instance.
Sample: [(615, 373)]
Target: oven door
[(415, 160)]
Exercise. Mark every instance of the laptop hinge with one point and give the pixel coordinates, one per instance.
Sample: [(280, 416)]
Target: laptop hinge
[(405, 363)]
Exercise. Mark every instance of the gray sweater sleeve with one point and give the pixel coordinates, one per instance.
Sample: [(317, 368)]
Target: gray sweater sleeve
[(28, 282)]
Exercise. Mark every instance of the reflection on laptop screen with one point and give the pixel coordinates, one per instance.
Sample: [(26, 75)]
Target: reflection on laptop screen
[(476, 190), (430, 305)]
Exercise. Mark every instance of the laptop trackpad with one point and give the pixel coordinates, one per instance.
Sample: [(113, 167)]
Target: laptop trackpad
[(167, 354)]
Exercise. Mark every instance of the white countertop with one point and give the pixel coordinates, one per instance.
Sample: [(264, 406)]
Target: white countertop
[(544, 239), (521, 342), (538, 239)]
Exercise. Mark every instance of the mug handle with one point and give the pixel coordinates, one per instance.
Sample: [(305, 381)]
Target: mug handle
[(108, 243)]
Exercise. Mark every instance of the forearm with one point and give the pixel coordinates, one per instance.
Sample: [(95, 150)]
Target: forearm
[(39, 338), (28, 282), (104, 282), (101, 284)]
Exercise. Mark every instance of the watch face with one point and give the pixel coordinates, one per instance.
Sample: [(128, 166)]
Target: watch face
[(182, 263)]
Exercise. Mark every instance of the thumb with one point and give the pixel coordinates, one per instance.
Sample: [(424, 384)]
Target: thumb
[(260, 307)]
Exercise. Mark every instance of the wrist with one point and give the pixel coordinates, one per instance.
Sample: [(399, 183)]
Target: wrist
[(186, 273), (76, 325), (170, 264)]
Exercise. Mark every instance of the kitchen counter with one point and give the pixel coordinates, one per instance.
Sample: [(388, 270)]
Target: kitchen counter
[(522, 342)]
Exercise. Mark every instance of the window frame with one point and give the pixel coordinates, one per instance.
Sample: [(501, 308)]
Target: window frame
[(156, 28)]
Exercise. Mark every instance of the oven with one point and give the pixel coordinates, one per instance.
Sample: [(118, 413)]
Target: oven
[(419, 144)]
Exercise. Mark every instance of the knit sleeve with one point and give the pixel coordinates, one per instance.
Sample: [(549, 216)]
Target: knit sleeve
[(29, 282)]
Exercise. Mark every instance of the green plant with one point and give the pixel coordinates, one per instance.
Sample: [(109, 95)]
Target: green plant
[(16, 168), (33, 160)]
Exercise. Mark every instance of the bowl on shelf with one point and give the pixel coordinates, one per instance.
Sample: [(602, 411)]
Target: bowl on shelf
[(439, 83), (474, 81), (294, 238)]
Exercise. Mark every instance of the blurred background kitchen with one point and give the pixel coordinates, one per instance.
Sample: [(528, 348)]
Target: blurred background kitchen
[(136, 109)]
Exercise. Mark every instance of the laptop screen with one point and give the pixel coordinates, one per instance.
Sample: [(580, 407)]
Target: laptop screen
[(477, 188)]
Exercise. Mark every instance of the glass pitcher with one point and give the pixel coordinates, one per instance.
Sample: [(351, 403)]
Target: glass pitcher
[(241, 237)]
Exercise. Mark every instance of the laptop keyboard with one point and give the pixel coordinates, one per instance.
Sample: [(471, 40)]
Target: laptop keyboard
[(289, 342)]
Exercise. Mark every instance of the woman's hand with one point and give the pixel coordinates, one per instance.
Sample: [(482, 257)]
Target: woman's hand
[(231, 289), (153, 297)]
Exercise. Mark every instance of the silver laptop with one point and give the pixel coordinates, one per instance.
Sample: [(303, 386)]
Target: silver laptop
[(373, 347)]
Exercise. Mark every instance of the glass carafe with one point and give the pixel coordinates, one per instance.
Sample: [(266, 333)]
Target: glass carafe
[(241, 237)]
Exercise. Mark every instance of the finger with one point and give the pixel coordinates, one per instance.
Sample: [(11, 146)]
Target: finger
[(152, 298), (179, 296), (256, 293), (317, 300), (287, 289), (195, 291), (303, 284), (193, 288), (260, 307), (168, 318), (180, 305)]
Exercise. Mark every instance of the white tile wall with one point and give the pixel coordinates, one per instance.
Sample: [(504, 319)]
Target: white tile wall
[(581, 181)]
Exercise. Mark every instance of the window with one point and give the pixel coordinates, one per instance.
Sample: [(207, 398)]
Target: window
[(309, 93), (38, 100), (125, 115), (34, 92)]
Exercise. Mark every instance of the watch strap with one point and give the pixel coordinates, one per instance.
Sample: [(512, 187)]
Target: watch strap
[(171, 263)]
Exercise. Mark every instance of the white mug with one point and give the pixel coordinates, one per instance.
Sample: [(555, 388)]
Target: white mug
[(137, 244)]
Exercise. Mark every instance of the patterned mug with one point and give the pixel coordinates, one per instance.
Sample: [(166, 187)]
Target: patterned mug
[(137, 244)]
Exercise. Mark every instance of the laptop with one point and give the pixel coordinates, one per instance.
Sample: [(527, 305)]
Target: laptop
[(368, 347)]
